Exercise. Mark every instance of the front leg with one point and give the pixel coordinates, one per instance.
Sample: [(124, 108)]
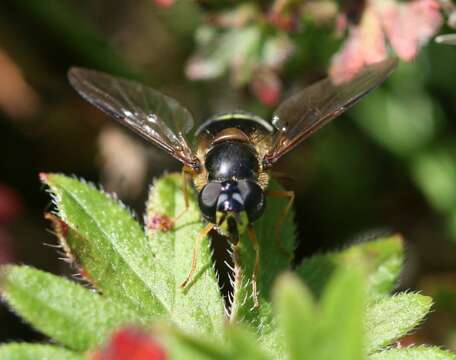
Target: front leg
[(187, 174), (256, 268), (196, 248)]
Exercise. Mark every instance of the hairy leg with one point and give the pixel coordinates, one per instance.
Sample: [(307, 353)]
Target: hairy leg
[(196, 250), (186, 177), (256, 267)]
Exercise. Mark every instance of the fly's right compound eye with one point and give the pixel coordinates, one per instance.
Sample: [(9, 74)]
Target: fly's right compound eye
[(207, 200), (253, 197)]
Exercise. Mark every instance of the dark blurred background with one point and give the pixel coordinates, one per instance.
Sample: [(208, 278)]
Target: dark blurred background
[(389, 165)]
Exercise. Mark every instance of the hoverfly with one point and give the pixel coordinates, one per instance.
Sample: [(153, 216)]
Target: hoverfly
[(231, 157)]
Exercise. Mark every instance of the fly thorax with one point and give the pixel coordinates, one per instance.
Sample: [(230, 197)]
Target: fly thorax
[(232, 160)]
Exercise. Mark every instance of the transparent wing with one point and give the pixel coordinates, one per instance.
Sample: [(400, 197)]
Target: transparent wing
[(154, 116), (300, 116)]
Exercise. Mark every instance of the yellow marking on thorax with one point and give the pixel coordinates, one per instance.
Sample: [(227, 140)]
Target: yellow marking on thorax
[(230, 134)]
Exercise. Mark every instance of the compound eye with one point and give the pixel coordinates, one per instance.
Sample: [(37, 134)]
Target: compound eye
[(207, 200), (254, 199)]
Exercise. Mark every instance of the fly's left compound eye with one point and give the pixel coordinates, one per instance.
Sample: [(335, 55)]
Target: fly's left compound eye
[(207, 200), (254, 199)]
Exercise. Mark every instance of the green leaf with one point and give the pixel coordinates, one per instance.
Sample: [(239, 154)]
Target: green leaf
[(296, 316), (182, 345), (238, 343), (200, 308), (394, 317), (332, 331), (414, 353), (110, 246), (18, 351), (243, 344), (382, 258), (65, 311), (340, 331)]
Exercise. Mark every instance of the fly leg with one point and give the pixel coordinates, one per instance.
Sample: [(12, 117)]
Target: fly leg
[(290, 195), (186, 177), (196, 250), (256, 268)]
